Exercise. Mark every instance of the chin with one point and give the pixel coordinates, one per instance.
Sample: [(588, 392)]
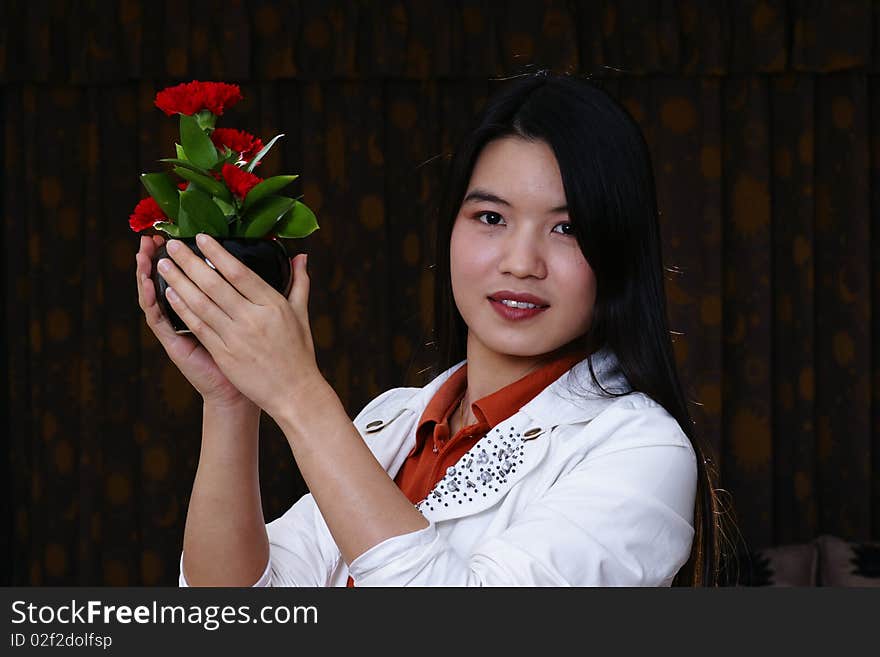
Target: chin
[(520, 348)]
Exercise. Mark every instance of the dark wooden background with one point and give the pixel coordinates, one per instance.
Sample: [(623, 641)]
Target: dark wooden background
[(762, 120)]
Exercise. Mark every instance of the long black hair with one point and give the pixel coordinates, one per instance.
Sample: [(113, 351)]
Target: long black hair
[(609, 189)]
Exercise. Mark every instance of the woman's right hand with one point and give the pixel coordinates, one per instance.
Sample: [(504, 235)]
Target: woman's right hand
[(190, 357)]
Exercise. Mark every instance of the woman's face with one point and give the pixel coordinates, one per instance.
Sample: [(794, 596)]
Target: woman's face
[(512, 235)]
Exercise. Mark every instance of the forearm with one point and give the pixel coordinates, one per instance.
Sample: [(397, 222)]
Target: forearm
[(225, 541), (360, 503)]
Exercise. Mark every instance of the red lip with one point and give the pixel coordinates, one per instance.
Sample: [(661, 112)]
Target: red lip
[(517, 296), (515, 314)]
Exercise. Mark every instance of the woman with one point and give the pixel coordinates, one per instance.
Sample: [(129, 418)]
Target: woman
[(554, 446)]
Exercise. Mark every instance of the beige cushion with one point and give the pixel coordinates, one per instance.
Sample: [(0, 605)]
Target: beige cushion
[(848, 563), (784, 565)]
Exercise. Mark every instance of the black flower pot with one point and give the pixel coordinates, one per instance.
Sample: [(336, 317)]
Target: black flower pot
[(266, 257)]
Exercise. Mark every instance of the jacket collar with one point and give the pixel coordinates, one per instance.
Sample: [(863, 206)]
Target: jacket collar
[(509, 451), (573, 397), (516, 446)]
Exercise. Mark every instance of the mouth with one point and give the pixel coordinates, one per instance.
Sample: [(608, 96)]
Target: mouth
[(518, 301), (511, 310)]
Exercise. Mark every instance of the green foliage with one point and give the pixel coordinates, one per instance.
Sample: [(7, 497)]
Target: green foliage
[(167, 227), (207, 205), (164, 192), (266, 188), (208, 184), (299, 221), (185, 164), (259, 156), (261, 218), (203, 214), (186, 227), (197, 145)]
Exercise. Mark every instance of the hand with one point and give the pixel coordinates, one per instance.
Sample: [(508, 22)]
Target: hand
[(260, 339), (191, 358)]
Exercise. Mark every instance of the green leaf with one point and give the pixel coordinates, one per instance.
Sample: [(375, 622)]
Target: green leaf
[(207, 183), (186, 164), (203, 213), (186, 228), (265, 214), (299, 221), (181, 155), (266, 188), (225, 207), (228, 156), (263, 151), (206, 119), (197, 145), (164, 191), (168, 228)]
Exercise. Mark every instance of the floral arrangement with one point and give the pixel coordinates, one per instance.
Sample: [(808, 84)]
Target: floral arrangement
[(211, 186)]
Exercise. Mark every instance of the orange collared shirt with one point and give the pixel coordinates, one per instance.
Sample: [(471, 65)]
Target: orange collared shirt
[(435, 450)]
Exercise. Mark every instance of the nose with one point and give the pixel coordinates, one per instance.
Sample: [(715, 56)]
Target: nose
[(522, 256)]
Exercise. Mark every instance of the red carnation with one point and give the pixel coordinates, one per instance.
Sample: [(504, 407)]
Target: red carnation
[(238, 141), (146, 213), (239, 181), (192, 97)]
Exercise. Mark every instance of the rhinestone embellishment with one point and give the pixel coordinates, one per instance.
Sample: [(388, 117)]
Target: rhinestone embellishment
[(481, 470)]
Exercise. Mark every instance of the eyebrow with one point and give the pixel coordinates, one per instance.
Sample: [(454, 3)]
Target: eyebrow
[(478, 194)]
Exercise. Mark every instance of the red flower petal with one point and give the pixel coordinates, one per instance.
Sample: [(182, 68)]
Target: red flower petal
[(146, 213), (239, 181), (192, 97), (238, 141)]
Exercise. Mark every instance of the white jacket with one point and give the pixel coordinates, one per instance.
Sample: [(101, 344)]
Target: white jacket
[(572, 490)]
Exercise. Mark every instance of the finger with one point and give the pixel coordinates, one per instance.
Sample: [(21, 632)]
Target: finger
[(299, 295), (299, 291), (201, 329), (196, 302), (155, 318), (222, 292), (247, 283), (147, 248)]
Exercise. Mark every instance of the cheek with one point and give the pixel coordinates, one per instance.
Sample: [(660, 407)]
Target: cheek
[(588, 283), (458, 259), (469, 257), (577, 282)]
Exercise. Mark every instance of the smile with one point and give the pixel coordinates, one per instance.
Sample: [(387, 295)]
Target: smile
[(516, 310), (518, 304)]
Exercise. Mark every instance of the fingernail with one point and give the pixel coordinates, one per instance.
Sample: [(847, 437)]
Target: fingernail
[(171, 294), (172, 247), (201, 239), (164, 265)]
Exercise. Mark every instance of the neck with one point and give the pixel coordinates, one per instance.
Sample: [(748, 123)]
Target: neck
[(488, 371)]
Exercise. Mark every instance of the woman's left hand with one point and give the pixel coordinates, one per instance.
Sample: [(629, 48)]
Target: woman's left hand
[(260, 339)]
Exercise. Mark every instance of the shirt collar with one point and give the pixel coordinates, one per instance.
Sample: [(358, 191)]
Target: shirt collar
[(555, 404), (499, 405)]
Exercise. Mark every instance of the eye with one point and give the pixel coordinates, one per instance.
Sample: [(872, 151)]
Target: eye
[(494, 215), (569, 227)]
